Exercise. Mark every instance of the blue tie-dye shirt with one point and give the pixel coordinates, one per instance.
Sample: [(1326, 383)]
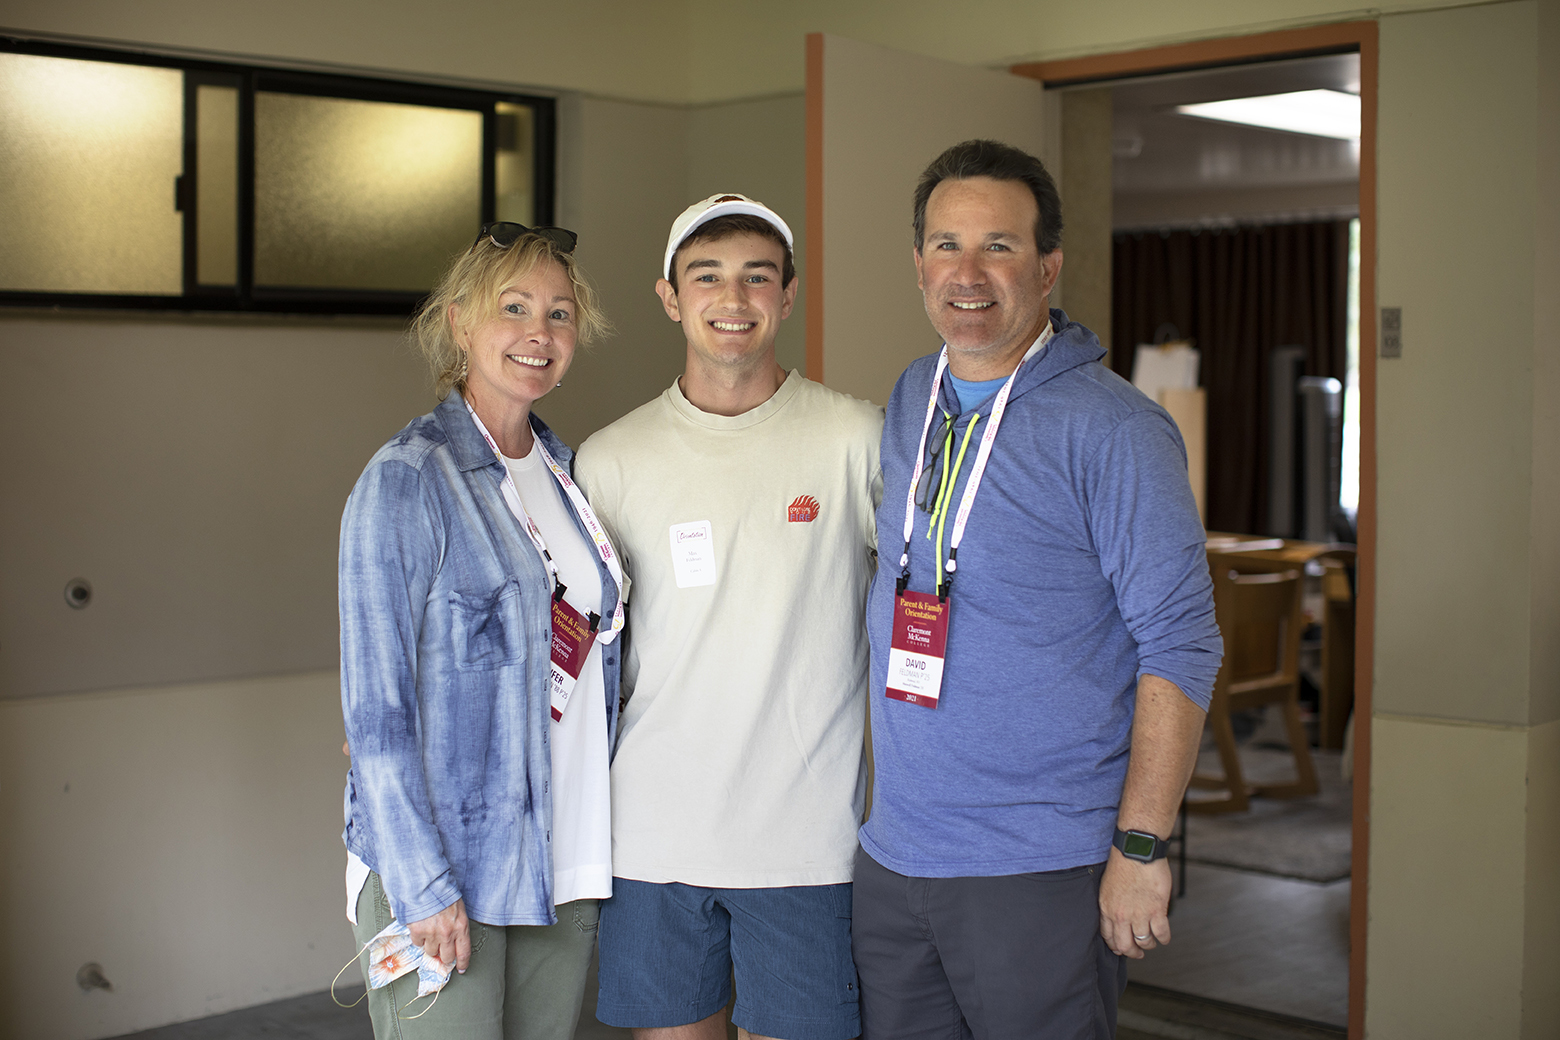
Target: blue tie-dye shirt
[(445, 640)]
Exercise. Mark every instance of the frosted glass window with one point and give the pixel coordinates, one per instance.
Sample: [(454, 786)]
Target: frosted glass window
[(362, 194), (155, 182), (216, 185), (514, 164), (89, 152)]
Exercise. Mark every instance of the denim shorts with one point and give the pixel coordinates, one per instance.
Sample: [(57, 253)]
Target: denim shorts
[(668, 953)]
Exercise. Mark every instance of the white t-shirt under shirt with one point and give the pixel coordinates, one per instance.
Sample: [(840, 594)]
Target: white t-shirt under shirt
[(740, 750), (582, 823)]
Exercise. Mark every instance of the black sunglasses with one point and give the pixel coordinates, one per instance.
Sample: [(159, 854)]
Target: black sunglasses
[(505, 233), (926, 488)]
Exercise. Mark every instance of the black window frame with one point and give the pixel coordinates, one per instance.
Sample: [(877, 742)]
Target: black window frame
[(245, 297)]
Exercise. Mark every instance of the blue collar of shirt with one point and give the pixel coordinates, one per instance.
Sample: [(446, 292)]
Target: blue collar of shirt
[(471, 451), (972, 393)]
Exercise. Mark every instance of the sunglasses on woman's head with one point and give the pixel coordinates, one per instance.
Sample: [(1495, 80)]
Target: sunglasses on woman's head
[(505, 233)]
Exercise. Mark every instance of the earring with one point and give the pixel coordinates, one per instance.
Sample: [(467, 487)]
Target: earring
[(560, 382), (465, 366)]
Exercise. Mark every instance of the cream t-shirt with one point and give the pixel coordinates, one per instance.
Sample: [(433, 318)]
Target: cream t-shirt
[(740, 757)]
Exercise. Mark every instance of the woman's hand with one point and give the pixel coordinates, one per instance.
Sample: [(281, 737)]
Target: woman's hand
[(446, 935)]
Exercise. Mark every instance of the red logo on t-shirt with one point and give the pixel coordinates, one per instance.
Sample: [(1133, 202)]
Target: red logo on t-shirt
[(803, 511)]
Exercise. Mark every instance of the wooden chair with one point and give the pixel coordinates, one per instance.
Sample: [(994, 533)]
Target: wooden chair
[(1337, 619), (1259, 615)]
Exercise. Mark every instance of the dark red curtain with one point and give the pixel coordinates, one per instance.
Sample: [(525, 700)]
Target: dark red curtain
[(1237, 293)]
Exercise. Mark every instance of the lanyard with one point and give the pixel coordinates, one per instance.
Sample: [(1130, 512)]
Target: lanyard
[(972, 486), (581, 508)]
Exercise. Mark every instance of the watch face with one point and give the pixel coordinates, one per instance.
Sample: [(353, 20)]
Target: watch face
[(1139, 846)]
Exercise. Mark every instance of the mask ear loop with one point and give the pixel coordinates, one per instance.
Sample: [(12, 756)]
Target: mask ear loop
[(424, 1011), (337, 979), (359, 1000)]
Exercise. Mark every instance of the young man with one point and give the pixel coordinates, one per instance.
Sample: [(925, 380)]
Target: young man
[(1041, 664), (742, 502)]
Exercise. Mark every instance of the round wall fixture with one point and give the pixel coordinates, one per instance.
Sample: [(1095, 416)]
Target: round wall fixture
[(78, 593)]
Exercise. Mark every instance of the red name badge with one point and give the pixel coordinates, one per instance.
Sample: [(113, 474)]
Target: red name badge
[(915, 655), (572, 637)]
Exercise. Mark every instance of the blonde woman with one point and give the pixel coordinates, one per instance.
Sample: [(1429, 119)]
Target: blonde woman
[(477, 824)]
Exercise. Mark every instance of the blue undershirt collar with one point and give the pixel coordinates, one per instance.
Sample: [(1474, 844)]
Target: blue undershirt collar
[(973, 393)]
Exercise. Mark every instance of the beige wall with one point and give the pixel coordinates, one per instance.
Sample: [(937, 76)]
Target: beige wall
[(616, 48), (1455, 436), (1541, 965), (626, 171), (1541, 891), (1463, 889), (623, 174), (1448, 810), (1085, 184), (758, 148), (161, 461), (760, 53), (676, 156), (1465, 834), (662, 50), (885, 116), (186, 838), (1545, 522)]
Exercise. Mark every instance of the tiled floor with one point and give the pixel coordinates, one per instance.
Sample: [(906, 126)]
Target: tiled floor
[(1258, 941)]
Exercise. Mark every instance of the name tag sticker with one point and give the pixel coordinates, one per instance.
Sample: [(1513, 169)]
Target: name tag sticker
[(915, 654), (572, 636), (693, 554)]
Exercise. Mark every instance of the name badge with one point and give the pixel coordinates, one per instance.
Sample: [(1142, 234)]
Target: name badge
[(693, 554), (572, 637), (915, 654)]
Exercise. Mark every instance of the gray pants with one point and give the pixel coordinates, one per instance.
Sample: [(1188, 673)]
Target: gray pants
[(984, 957), (524, 982)]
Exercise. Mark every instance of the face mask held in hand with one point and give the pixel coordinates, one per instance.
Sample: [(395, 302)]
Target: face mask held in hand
[(392, 954)]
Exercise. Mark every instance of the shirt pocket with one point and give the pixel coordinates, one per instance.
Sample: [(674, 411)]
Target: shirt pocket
[(487, 629)]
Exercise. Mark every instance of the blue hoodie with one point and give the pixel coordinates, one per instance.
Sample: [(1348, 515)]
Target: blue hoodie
[(1082, 568)]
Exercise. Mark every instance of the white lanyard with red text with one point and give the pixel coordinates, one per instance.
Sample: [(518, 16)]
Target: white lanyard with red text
[(961, 519), (572, 632), (919, 635)]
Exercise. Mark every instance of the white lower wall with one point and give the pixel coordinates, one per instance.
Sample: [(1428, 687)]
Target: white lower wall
[(186, 838)]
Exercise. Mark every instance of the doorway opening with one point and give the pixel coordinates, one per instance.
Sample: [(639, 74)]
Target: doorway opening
[(1244, 246)]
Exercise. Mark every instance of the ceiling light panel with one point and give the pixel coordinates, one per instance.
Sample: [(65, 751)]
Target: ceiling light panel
[(1320, 113)]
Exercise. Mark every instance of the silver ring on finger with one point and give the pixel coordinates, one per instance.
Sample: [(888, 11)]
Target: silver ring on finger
[(1142, 938)]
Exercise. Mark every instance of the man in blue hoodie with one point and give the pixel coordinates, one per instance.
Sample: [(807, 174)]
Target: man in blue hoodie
[(1043, 647)]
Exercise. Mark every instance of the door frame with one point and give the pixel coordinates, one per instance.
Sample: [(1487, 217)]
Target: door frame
[(1359, 36)]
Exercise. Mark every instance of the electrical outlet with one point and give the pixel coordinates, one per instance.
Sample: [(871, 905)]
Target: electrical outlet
[(1392, 332)]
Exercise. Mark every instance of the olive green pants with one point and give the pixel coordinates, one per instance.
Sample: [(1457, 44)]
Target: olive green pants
[(524, 982)]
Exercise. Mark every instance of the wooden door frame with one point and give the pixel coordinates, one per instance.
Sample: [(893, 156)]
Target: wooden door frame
[(1293, 43)]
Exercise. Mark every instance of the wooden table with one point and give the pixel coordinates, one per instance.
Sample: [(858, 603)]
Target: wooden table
[(1247, 552)]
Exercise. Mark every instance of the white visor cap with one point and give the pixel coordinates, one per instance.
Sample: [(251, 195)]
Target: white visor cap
[(725, 204)]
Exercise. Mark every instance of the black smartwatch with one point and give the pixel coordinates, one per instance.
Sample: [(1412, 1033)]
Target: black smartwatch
[(1141, 846)]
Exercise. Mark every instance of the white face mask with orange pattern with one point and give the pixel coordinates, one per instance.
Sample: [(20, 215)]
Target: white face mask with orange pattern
[(392, 954)]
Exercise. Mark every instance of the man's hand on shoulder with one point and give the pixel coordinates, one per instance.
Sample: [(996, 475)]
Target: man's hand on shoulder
[(1134, 905)]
